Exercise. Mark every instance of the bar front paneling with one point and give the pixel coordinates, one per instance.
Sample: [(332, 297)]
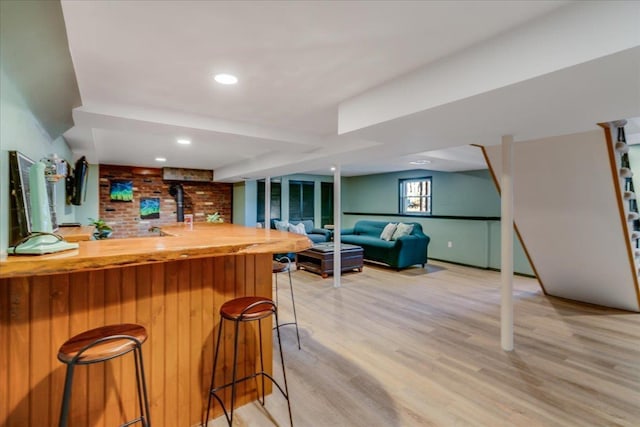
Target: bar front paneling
[(176, 301)]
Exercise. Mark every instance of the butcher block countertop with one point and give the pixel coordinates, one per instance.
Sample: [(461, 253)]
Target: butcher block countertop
[(178, 242)]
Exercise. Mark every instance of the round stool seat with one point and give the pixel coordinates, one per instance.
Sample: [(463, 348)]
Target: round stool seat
[(279, 267), (105, 350), (238, 308)]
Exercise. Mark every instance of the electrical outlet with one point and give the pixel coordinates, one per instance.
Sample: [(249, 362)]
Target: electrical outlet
[(450, 244)]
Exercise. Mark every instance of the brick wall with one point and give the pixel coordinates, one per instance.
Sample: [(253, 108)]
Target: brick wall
[(201, 198)]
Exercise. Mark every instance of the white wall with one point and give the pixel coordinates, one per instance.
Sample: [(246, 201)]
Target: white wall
[(566, 209)]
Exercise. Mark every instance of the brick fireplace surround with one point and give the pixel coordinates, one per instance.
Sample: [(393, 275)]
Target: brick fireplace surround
[(201, 199)]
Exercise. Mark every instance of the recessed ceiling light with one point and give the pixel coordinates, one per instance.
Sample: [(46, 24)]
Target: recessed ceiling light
[(161, 159), (420, 162), (226, 79), (184, 141), (333, 168)]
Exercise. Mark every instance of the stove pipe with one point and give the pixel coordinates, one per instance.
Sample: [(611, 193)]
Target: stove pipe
[(177, 192)]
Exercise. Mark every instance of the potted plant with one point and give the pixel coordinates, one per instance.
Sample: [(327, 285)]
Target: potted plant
[(103, 231), (215, 218)]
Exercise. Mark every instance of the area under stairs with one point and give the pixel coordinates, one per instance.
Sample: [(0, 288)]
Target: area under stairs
[(576, 212)]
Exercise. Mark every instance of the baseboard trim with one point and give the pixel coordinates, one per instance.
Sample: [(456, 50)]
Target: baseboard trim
[(533, 276)]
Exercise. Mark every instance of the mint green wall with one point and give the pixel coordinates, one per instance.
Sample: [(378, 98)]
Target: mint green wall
[(90, 205), (520, 261), (38, 91), (470, 239), (19, 130), (238, 210), (454, 193), (470, 193), (245, 203)]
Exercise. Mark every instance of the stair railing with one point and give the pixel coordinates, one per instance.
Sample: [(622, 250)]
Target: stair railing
[(626, 174)]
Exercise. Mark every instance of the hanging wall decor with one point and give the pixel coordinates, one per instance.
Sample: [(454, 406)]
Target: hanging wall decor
[(121, 191), (149, 207)]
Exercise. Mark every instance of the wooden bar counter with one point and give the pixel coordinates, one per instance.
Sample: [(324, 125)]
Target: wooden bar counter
[(76, 234), (172, 285)]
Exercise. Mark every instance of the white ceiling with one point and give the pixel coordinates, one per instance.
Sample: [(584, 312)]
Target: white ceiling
[(145, 70)]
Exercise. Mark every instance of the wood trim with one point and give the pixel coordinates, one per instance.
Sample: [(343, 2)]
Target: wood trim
[(177, 302), (623, 220), (515, 226), (135, 170), (531, 276), (200, 241), (461, 217)]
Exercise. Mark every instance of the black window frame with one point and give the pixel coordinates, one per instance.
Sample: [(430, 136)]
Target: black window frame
[(304, 205), (276, 200)]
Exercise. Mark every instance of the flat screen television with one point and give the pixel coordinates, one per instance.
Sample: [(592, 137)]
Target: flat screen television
[(77, 184), (32, 209), (19, 197)]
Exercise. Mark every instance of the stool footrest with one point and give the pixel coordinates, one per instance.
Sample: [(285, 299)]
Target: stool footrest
[(239, 380), (132, 422), (284, 324), (248, 377)]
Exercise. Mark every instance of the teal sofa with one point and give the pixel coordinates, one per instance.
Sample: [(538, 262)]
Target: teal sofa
[(404, 252), (316, 235)]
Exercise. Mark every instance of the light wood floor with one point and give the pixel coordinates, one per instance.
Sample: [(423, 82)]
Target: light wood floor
[(422, 348)]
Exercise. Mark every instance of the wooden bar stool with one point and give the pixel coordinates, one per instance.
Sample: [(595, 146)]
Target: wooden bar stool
[(99, 345), (282, 265), (238, 310)]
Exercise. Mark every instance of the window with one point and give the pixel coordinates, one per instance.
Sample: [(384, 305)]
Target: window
[(415, 196), (275, 201), (326, 203), (301, 200)]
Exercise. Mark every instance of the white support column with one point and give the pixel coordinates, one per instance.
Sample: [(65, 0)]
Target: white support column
[(284, 199), (267, 202), (506, 223), (337, 224)]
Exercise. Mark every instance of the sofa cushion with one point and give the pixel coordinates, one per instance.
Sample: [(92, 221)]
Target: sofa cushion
[(281, 225), (317, 238), (308, 225), (402, 230), (388, 231), (363, 240), (298, 229), (369, 228)]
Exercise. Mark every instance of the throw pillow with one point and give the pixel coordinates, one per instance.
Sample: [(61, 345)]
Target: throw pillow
[(388, 231), (281, 225), (298, 229), (308, 225), (402, 230)]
